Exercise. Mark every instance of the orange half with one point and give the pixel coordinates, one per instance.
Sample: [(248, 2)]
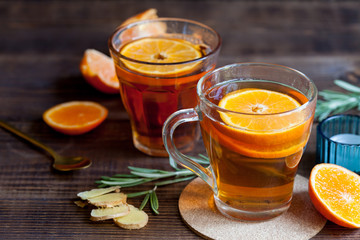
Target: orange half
[(76, 117), (334, 191), (98, 69)]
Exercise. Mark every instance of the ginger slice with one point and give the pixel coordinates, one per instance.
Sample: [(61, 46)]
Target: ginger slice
[(136, 219), (108, 200), (108, 213), (96, 192), (81, 204)]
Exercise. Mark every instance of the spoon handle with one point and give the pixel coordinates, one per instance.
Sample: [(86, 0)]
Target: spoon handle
[(26, 137)]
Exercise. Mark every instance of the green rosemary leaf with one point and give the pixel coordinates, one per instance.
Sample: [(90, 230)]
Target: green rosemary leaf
[(102, 185), (199, 160), (124, 175), (119, 179), (331, 95), (115, 183), (347, 86), (173, 164), (154, 175), (146, 199), (337, 102), (154, 202), (137, 194), (204, 157), (156, 211), (167, 182), (146, 170)]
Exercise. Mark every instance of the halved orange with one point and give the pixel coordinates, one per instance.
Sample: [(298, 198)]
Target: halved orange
[(257, 133), (150, 13), (99, 70), (334, 191), (161, 50), (76, 117)]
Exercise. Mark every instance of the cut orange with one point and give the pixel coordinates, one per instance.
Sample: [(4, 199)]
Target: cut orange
[(149, 29), (161, 50), (76, 117), (150, 13), (334, 191), (258, 101), (259, 133), (99, 70)]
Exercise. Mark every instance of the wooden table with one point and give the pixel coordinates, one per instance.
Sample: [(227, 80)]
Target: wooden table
[(41, 44)]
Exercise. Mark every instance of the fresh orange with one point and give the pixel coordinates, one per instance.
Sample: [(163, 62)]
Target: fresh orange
[(334, 191), (76, 117), (161, 50), (150, 13), (99, 70), (150, 29), (259, 132)]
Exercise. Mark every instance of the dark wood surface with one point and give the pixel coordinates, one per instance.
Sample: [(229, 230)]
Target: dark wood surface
[(41, 44)]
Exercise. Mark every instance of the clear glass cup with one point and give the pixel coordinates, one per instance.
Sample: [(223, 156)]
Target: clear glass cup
[(150, 98), (338, 141), (251, 170)]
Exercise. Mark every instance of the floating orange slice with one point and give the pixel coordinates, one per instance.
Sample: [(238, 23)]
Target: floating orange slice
[(76, 117), (334, 191), (99, 70), (161, 50), (258, 101), (257, 132)]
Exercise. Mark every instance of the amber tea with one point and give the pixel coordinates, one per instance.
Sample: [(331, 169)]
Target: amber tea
[(255, 120), (158, 76), (254, 168)]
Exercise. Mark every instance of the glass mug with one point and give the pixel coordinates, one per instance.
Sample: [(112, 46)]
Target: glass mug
[(253, 156), (150, 97)]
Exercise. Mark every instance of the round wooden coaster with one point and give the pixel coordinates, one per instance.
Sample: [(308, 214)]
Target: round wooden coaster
[(198, 210)]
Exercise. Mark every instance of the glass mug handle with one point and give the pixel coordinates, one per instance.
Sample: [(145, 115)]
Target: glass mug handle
[(174, 120)]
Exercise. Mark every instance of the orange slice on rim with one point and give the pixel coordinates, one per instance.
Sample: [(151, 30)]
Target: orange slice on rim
[(98, 69), (161, 50), (76, 117), (334, 191), (258, 132)]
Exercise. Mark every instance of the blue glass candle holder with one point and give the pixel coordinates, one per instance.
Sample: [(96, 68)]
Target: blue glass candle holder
[(338, 141)]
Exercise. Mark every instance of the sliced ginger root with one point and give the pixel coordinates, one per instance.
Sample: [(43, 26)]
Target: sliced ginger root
[(136, 219), (113, 206), (97, 192), (109, 213), (108, 200)]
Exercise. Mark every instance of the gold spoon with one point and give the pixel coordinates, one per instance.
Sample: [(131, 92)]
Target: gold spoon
[(61, 163)]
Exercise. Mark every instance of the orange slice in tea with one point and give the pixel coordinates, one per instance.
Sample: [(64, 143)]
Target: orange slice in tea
[(261, 133), (98, 69), (76, 117), (334, 191), (161, 50), (257, 101)]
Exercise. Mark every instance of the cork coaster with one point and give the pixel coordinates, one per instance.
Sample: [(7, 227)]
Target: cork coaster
[(198, 210)]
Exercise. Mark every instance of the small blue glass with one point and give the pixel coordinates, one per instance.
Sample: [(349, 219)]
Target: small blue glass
[(338, 141)]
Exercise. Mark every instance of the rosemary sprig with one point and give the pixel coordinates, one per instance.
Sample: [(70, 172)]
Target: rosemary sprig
[(335, 102), (139, 176)]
